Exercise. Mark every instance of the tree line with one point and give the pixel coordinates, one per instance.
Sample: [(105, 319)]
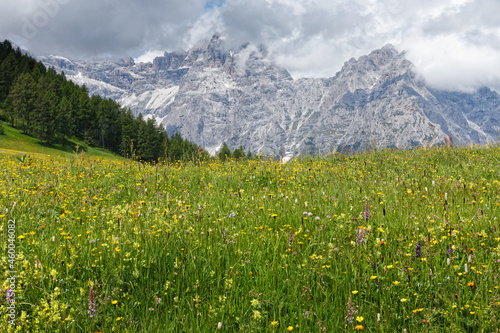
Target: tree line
[(50, 107)]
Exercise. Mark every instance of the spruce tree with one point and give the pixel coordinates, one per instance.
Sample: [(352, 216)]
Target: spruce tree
[(225, 152), (23, 94), (64, 112)]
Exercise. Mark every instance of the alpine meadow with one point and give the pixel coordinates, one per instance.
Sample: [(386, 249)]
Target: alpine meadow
[(385, 241)]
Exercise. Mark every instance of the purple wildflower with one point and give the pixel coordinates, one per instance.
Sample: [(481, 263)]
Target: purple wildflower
[(9, 295), (290, 239), (450, 251), (417, 250), (367, 213), (91, 309), (360, 236), (351, 311)]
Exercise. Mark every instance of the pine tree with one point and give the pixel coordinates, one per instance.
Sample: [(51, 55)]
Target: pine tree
[(225, 152), (128, 132), (239, 153), (8, 74), (23, 94), (9, 110), (45, 117), (64, 112)]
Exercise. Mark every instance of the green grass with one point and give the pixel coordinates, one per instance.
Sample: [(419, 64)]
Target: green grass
[(406, 239), (15, 142)]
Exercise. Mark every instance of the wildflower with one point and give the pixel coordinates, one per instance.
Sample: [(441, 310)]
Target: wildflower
[(9, 295), (358, 327), (367, 213), (219, 326), (351, 311), (37, 263), (158, 300), (274, 323), (449, 252), (355, 292), (360, 236), (151, 309), (403, 300), (255, 302), (114, 302), (359, 319), (256, 315), (470, 284), (289, 328), (91, 311), (417, 250), (373, 277)]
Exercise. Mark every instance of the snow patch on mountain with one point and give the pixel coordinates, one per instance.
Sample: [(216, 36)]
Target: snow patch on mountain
[(93, 85), (151, 100)]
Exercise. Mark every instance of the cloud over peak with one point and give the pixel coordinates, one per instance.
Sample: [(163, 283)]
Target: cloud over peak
[(455, 44)]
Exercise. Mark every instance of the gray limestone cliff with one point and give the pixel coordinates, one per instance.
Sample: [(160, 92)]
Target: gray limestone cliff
[(212, 95)]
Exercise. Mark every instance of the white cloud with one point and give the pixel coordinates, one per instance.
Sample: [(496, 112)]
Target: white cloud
[(149, 56), (454, 43)]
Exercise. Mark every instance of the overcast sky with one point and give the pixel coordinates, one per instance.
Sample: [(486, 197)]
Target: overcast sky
[(455, 44)]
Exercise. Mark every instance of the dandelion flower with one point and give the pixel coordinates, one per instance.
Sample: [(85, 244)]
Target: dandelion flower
[(355, 292), (359, 319), (359, 327), (290, 328)]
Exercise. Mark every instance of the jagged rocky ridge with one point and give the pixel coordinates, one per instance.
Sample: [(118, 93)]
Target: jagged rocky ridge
[(214, 95)]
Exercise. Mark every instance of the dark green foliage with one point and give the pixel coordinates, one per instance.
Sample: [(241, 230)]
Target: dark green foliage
[(23, 94), (51, 108), (239, 153), (225, 152)]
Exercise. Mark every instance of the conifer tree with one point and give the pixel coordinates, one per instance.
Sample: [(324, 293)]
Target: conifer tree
[(64, 112), (225, 152), (8, 73), (23, 94)]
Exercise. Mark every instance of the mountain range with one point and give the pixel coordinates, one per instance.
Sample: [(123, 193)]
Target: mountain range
[(212, 94)]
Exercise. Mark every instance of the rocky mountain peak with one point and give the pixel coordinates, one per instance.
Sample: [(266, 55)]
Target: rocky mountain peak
[(212, 94)]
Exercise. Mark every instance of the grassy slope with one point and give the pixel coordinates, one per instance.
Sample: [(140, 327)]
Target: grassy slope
[(14, 142)]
